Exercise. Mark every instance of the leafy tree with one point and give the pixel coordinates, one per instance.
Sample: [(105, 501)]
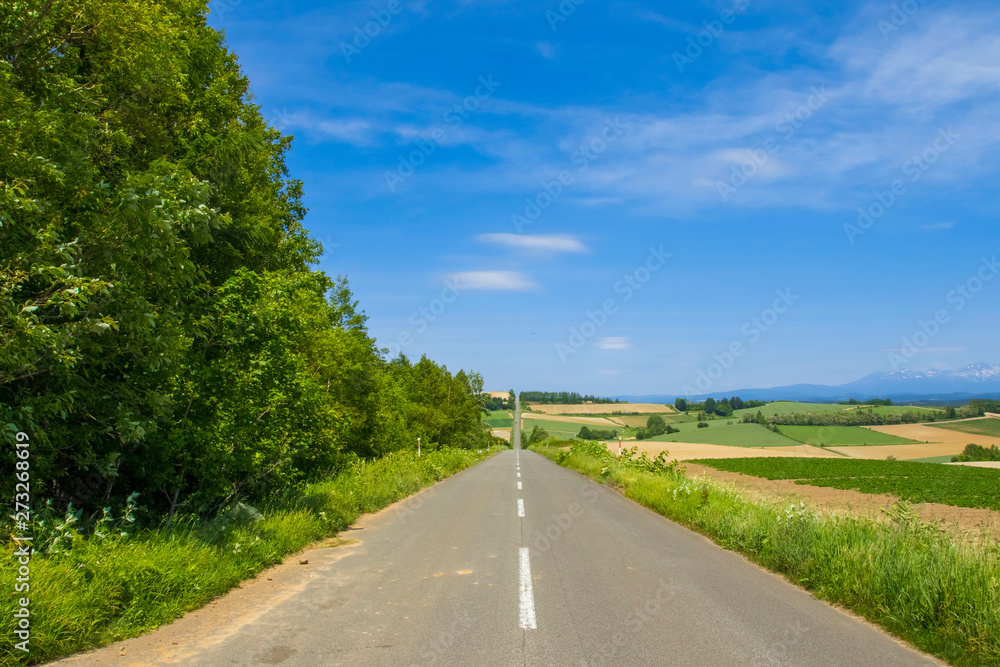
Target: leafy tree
[(710, 406), (655, 426), (681, 404), (163, 329)]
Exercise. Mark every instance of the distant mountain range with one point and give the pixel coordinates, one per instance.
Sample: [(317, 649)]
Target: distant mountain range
[(974, 381)]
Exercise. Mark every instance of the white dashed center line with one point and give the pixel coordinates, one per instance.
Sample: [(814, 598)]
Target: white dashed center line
[(527, 596), (520, 508), (518, 486)]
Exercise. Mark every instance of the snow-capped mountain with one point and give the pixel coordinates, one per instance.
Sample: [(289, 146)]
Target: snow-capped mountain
[(973, 381)]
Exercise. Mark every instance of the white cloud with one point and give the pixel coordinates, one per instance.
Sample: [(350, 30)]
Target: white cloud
[(547, 242), (546, 49), (510, 281), (357, 132), (613, 344)]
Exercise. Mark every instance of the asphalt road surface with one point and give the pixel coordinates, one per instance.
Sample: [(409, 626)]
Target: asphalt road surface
[(515, 562)]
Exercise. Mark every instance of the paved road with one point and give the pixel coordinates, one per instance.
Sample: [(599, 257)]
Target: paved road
[(456, 576)]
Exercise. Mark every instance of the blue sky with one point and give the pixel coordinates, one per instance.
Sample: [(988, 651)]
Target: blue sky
[(615, 197)]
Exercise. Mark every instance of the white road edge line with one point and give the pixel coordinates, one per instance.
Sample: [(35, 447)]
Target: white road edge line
[(518, 486), (527, 596), (520, 507)]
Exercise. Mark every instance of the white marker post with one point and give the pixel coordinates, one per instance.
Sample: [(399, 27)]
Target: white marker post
[(418, 448)]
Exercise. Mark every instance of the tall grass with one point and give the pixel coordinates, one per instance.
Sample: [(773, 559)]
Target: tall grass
[(933, 588), (95, 590)]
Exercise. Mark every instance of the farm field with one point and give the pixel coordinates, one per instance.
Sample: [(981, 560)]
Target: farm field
[(924, 413), (961, 486), (928, 433), (987, 426), (842, 435), (686, 451), (789, 408), (499, 419), (563, 428), (600, 408), (901, 452), (606, 422), (721, 433), (639, 421)]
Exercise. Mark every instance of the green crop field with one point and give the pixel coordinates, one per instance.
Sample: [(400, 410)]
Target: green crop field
[(565, 429), (841, 435), (990, 427), (721, 433), (789, 408), (924, 413), (961, 486), (499, 419)]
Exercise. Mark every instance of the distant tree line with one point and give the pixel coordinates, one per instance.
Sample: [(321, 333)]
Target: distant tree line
[(984, 405), (873, 401), (977, 453), (869, 417), (563, 398), (587, 433), (723, 407)]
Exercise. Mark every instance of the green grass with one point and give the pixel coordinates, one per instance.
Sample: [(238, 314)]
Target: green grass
[(789, 408), (561, 429), (925, 413), (990, 427), (721, 433), (99, 591), (833, 436), (934, 589), (932, 459), (961, 486), (499, 419)]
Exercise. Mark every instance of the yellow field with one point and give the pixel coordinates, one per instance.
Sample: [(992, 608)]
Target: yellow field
[(601, 408), (902, 452), (932, 435), (683, 451), (585, 421)]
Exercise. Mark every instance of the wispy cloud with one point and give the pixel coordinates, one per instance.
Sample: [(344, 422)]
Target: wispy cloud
[(357, 132), (509, 281), (938, 227), (541, 242), (613, 343)]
